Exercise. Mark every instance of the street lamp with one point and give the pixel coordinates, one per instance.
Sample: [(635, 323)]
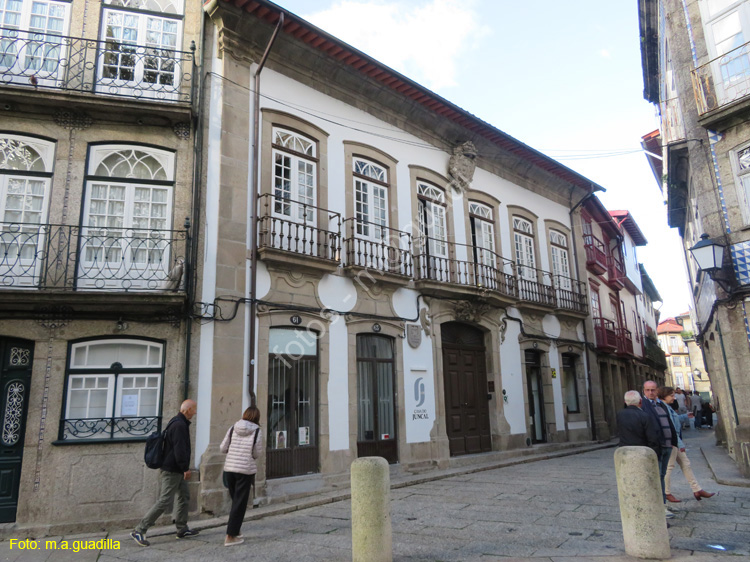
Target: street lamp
[(697, 373), (709, 255)]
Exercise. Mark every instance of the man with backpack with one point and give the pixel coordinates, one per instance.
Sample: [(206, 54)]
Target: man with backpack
[(174, 475)]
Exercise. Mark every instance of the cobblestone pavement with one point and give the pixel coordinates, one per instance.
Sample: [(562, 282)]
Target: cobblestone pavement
[(555, 509)]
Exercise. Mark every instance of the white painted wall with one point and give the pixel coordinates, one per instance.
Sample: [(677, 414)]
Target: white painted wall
[(513, 376), (554, 363)]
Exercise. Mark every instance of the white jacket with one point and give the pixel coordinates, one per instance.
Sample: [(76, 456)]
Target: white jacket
[(243, 450)]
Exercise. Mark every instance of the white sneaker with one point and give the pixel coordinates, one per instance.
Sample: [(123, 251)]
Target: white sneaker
[(669, 514), (236, 540)]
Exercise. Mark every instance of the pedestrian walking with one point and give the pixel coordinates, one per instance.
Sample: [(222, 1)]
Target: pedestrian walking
[(634, 425), (679, 455), (697, 409), (242, 444), (174, 475), (666, 430)]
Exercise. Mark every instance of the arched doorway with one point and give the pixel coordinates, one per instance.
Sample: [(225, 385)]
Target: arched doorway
[(467, 415)]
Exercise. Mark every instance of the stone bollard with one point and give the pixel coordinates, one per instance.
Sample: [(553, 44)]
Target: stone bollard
[(371, 510), (644, 525)]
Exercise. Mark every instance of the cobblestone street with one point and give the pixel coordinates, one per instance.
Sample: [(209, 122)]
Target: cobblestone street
[(552, 509)]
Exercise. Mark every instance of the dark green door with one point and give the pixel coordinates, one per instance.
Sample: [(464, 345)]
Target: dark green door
[(15, 378)]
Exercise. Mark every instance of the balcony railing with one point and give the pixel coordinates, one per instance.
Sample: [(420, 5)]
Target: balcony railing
[(374, 246), (606, 334), (624, 341), (570, 294), (615, 271), (481, 268), (535, 285), (722, 80), (109, 428), (596, 254), (292, 226), (52, 256), (58, 62)]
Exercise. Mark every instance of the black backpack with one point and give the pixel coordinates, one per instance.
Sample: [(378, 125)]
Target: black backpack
[(154, 452)]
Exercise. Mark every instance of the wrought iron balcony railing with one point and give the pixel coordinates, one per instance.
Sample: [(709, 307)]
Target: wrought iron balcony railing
[(606, 334), (624, 341), (108, 428), (481, 267), (723, 80), (64, 257), (58, 62), (535, 285), (292, 226), (570, 294), (377, 247), (596, 254)]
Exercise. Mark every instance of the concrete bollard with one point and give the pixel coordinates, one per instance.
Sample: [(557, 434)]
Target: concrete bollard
[(372, 539), (644, 525)]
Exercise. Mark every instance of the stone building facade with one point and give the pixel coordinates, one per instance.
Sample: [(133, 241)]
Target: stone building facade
[(96, 182), (694, 68), (684, 356), (622, 319)]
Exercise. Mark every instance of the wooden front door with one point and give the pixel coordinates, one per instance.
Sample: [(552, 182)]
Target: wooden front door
[(466, 405), (376, 413), (15, 378)]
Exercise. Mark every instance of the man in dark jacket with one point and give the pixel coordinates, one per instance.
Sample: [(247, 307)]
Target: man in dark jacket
[(634, 425), (174, 475), (657, 410)]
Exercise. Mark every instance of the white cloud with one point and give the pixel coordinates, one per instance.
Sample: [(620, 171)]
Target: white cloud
[(424, 41), (604, 53)]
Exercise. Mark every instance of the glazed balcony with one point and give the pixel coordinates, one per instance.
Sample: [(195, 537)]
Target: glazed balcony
[(295, 233), (624, 342), (40, 61), (446, 268), (570, 294), (384, 254), (654, 354), (52, 257), (722, 81), (596, 254), (615, 272), (606, 334)]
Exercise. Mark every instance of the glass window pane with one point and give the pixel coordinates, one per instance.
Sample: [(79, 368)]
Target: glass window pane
[(294, 342), (365, 411)]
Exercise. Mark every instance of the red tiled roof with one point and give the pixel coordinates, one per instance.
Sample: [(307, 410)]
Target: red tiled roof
[(335, 48), (669, 325), (629, 224)]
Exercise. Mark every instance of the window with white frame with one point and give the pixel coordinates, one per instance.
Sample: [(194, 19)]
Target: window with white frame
[(560, 261), (726, 25), (141, 38), (294, 176), (370, 199), (432, 219), (481, 218), (741, 164), (523, 233), (113, 389), (126, 239), (26, 165), (31, 40)]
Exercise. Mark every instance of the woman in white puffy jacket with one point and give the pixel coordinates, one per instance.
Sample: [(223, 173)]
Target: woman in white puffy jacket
[(243, 444)]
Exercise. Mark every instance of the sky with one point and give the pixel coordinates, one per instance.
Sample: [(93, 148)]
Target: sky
[(562, 77)]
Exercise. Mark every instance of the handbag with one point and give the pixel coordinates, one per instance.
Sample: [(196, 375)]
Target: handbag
[(224, 478)]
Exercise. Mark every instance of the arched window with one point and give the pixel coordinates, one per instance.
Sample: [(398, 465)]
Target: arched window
[(370, 199), (25, 175), (140, 46), (126, 237), (560, 261), (294, 176), (523, 234), (113, 389)]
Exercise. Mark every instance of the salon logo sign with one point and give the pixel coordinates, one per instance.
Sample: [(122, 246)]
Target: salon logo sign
[(419, 413)]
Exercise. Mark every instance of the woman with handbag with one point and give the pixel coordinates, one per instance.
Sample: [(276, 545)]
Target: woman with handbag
[(243, 444)]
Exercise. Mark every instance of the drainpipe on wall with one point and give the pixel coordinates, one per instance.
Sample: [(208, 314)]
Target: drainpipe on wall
[(255, 182), (585, 331)]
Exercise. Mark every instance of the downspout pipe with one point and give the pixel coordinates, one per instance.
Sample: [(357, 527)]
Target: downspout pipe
[(585, 331), (255, 183)]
